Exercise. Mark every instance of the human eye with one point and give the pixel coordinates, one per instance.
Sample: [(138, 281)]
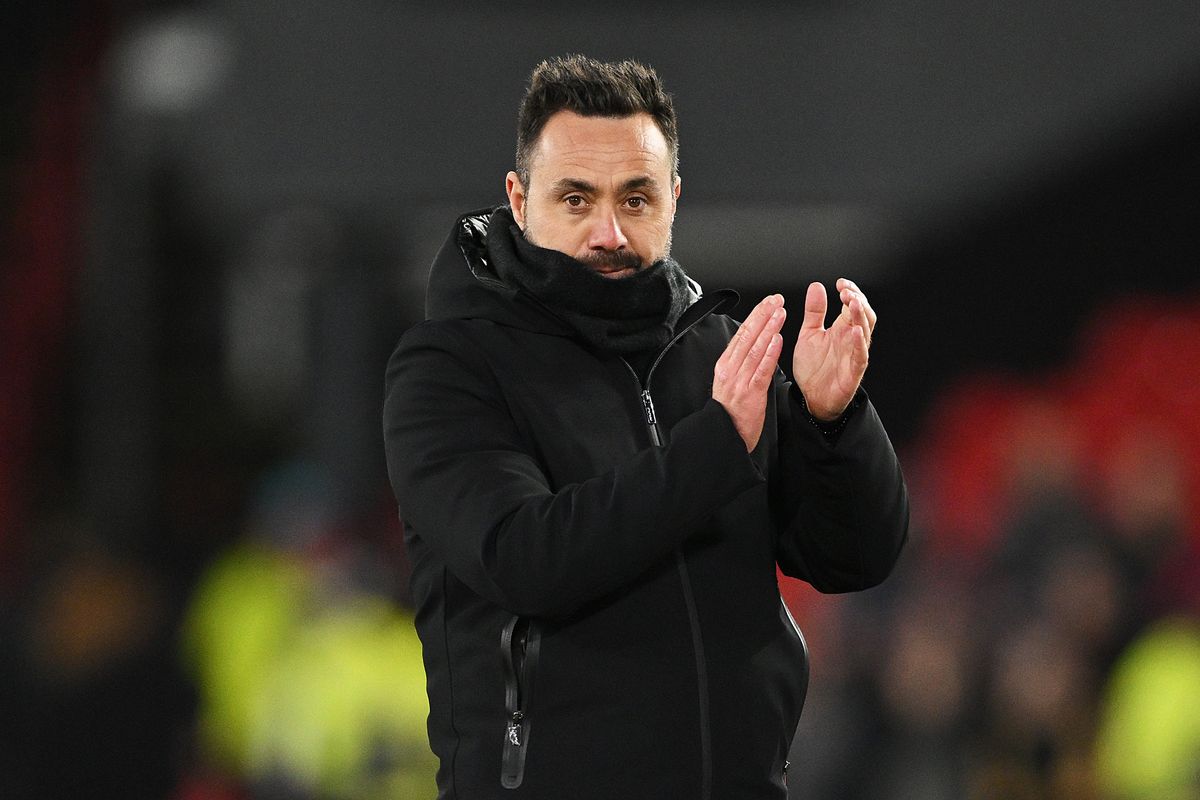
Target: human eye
[(575, 201), (636, 203)]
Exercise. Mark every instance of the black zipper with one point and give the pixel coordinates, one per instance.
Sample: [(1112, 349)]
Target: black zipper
[(519, 646), (723, 299), (651, 417), (689, 599)]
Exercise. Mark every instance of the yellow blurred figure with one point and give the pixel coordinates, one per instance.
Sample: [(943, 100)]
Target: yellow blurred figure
[(320, 691), (1149, 738)]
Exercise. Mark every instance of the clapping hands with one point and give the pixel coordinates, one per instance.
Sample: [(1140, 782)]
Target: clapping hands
[(827, 363)]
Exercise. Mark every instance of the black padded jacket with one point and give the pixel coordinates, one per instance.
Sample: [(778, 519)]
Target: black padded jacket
[(594, 552)]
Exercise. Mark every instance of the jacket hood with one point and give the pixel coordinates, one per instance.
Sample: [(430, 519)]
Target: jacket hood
[(463, 284)]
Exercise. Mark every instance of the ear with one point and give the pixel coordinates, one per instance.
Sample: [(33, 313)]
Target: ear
[(516, 197), (675, 190)]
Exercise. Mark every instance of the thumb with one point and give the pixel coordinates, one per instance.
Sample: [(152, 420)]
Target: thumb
[(815, 306)]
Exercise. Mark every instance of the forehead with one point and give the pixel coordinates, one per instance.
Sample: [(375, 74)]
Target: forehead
[(599, 146)]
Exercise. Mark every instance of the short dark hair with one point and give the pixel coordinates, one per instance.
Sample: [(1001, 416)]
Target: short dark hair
[(592, 88)]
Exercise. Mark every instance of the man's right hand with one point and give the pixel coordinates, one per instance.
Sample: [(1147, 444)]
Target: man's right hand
[(743, 373)]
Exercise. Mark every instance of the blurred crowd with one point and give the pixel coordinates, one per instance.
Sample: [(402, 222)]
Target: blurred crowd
[(1042, 637), (248, 637)]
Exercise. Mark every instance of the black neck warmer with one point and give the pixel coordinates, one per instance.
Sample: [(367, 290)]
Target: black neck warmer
[(618, 315)]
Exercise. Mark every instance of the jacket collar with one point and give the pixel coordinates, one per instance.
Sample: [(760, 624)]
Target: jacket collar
[(476, 291)]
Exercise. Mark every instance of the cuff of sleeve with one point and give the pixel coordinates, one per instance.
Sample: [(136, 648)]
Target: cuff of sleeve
[(832, 429), (745, 468)]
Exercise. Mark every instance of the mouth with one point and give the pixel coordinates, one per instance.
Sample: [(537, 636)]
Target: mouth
[(615, 272), (614, 265)]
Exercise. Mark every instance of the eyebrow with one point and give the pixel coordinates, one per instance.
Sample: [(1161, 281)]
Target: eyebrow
[(579, 185)]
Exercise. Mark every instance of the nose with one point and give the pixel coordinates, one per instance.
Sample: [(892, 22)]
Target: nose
[(606, 233)]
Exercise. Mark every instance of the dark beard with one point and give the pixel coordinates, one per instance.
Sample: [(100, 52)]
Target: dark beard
[(613, 259), (607, 259)]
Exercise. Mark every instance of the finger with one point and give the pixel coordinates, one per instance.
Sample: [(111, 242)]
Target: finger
[(856, 332), (858, 315), (844, 284), (747, 332), (846, 295), (762, 343), (735, 351), (738, 343), (815, 306), (767, 365), (853, 313), (860, 351)]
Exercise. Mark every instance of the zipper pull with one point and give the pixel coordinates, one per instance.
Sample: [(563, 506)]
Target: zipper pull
[(512, 768), (648, 405), (514, 728), (651, 418)]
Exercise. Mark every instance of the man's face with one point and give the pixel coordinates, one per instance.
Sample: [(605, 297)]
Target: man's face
[(601, 191)]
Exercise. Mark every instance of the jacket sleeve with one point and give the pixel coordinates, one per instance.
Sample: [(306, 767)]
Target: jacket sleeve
[(840, 501), (469, 487)]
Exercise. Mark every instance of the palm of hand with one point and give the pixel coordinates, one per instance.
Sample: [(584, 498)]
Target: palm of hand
[(828, 364)]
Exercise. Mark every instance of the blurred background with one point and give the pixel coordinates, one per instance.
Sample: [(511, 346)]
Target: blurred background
[(216, 219)]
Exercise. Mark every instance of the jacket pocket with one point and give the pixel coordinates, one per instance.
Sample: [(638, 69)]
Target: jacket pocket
[(519, 645)]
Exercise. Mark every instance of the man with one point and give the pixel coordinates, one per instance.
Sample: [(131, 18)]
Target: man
[(598, 473)]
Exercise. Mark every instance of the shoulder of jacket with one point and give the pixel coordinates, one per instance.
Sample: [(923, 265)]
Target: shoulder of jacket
[(716, 328), (477, 344), (446, 330), (443, 351)]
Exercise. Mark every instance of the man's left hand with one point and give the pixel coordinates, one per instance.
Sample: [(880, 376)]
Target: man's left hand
[(829, 363)]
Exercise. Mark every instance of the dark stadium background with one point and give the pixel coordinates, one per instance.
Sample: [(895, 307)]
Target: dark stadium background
[(216, 219)]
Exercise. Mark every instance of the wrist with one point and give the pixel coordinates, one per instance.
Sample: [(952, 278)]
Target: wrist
[(828, 425), (824, 417)]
